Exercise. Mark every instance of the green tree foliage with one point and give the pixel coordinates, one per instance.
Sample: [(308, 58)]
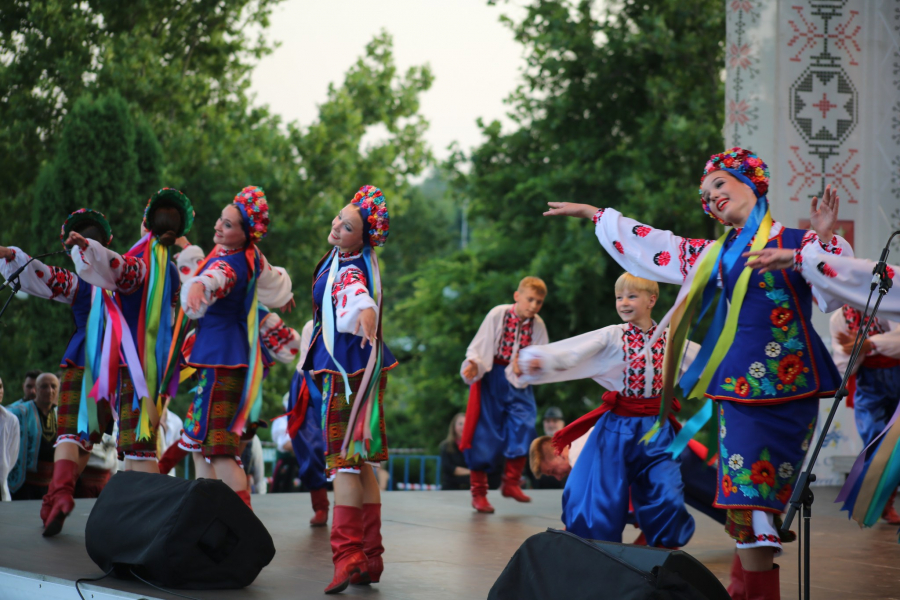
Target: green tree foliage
[(621, 105), (183, 70), (103, 159)]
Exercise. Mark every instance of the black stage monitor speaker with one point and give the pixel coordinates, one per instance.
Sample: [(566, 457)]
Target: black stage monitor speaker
[(560, 565), (177, 533)]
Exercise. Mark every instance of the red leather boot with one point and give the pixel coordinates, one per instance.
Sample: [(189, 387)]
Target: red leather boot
[(245, 496), (889, 514), (347, 547), (762, 585), (320, 504), (171, 457), (479, 486), (512, 477), (58, 501), (371, 545), (736, 588)]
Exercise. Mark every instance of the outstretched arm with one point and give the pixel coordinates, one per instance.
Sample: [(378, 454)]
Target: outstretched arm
[(655, 254), (106, 269), (38, 279)]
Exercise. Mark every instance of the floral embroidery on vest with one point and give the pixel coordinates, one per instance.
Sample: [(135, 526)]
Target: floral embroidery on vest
[(508, 338), (783, 368), (193, 421)]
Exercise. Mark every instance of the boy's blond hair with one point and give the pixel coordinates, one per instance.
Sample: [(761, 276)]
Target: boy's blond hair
[(535, 283), (627, 281)]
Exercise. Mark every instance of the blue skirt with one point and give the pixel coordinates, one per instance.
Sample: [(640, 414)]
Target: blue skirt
[(761, 451)]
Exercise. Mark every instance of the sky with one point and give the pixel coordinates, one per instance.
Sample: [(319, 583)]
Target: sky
[(474, 58)]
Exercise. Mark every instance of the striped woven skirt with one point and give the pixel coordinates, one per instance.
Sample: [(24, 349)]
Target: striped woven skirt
[(67, 412), (129, 445), (216, 400), (336, 417)]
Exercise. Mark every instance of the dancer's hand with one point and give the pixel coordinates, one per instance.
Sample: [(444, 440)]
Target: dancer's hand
[(289, 306), (182, 242), (6, 253), (515, 367), (470, 371), (76, 239), (196, 297), (823, 215), (770, 259), (367, 323), (570, 209), (845, 340), (534, 365)]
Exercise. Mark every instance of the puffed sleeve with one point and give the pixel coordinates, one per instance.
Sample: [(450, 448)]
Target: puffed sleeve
[(350, 297), (273, 285), (305, 338), (579, 357), (483, 347), (39, 279), (283, 342), (887, 343), (843, 280), (100, 266), (814, 250), (646, 252), (218, 280), (187, 262), (837, 324), (279, 434)]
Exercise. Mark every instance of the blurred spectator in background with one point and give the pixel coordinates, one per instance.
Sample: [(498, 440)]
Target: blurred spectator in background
[(454, 472), (31, 475), (9, 449), (553, 420), (29, 387)]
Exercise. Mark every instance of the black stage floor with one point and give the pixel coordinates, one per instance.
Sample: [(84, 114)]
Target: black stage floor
[(437, 548)]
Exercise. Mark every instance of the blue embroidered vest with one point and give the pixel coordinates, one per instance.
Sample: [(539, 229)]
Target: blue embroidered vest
[(221, 339), (346, 345), (776, 356)]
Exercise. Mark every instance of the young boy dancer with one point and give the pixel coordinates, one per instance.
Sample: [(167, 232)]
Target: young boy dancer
[(614, 461), (500, 417)]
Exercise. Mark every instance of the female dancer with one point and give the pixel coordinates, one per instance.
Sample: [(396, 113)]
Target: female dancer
[(873, 480), (350, 376), (146, 284), (769, 383), (76, 432), (223, 298)]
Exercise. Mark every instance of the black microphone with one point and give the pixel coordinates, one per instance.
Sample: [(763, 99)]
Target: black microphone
[(878, 273)]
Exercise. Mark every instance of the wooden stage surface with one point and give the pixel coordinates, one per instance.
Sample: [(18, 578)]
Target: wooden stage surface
[(437, 548)]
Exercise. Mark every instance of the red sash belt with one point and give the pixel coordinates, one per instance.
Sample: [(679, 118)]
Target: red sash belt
[(298, 415), (615, 402), (880, 361)]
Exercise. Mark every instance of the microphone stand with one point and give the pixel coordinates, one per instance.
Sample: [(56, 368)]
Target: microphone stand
[(802, 497), (13, 280)]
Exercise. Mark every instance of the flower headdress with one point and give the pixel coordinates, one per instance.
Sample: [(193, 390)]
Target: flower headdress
[(251, 201), (180, 201), (744, 165), (376, 222), (80, 216)]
